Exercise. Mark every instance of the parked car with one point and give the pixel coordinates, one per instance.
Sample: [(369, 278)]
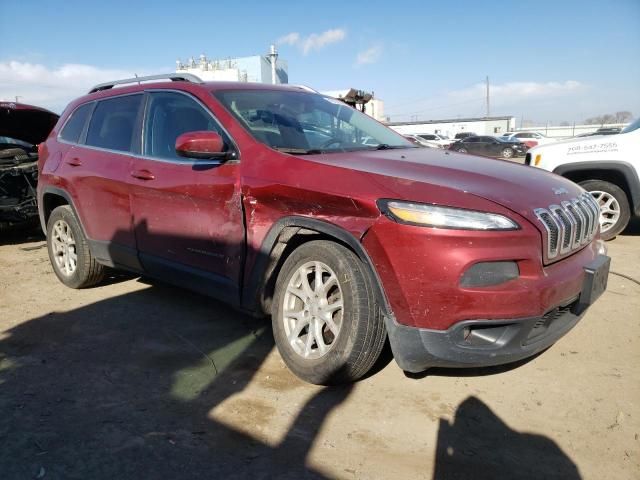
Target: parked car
[(418, 140), (608, 131), (530, 139), (218, 187), (490, 147), (601, 131), (607, 167), (442, 140), (22, 128), (463, 135)]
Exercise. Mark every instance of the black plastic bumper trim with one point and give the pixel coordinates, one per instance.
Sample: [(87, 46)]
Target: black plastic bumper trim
[(417, 349)]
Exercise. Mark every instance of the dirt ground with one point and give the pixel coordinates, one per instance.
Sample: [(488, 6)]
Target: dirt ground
[(141, 380)]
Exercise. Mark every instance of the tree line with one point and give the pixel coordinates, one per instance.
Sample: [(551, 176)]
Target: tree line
[(618, 117)]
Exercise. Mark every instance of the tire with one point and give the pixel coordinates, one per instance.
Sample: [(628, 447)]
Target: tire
[(65, 240), (461, 150), (614, 205), (352, 351), (507, 153)]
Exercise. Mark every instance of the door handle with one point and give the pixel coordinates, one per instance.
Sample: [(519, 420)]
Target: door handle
[(74, 162), (143, 174)]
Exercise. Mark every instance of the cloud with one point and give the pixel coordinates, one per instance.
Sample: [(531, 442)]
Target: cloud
[(555, 100), (520, 90), (52, 88), (370, 55), (289, 39), (314, 41)]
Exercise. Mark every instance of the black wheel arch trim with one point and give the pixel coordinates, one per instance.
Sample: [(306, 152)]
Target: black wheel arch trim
[(253, 301), (60, 193), (625, 169)]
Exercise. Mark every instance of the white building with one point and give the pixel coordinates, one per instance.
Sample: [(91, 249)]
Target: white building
[(479, 126), (258, 68)]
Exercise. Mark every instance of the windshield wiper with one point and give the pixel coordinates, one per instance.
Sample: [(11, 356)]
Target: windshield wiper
[(386, 146), (299, 151)]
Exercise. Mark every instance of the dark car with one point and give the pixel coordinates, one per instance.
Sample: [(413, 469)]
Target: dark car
[(22, 128), (462, 135), (490, 147), (265, 196)]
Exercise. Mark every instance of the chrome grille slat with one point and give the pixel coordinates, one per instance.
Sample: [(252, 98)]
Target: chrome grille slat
[(570, 225)]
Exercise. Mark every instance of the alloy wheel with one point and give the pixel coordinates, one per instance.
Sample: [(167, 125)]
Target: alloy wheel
[(609, 209), (64, 248), (313, 310)]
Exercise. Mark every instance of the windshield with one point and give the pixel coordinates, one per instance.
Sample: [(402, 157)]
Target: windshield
[(632, 126), (303, 122)]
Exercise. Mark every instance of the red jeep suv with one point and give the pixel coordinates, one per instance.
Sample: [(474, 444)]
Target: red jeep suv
[(286, 202)]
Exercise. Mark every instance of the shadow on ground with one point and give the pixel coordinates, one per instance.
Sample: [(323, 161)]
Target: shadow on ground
[(122, 388), (16, 235), (633, 229), (478, 445)]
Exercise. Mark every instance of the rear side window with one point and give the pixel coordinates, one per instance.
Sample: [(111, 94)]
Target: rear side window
[(74, 126), (113, 122)]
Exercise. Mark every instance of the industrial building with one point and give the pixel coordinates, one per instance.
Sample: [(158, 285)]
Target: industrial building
[(480, 126), (267, 68), (363, 101)]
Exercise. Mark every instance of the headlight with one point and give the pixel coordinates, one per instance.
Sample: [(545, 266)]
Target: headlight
[(445, 217)]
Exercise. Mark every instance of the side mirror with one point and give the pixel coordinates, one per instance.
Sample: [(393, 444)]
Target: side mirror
[(202, 145)]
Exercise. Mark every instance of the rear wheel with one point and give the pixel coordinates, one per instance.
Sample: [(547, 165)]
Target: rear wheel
[(614, 206), (507, 153), (69, 253), (326, 324), (461, 150)]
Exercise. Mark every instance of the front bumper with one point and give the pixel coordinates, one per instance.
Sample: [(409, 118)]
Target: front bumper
[(481, 343)]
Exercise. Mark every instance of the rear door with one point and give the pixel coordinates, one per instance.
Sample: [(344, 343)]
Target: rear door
[(97, 167), (187, 213), (472, 145)]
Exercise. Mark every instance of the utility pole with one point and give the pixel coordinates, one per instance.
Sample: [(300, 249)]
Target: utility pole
[(488, 102)]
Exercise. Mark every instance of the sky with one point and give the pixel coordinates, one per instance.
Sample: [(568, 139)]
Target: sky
[(547, 61)]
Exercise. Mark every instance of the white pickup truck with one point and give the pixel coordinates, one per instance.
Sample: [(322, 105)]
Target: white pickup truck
[(607, 166)]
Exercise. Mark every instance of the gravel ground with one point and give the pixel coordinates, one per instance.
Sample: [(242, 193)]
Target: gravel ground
[(141, 380)]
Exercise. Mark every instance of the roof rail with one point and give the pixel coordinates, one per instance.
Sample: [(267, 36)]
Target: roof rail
[(174, 77)]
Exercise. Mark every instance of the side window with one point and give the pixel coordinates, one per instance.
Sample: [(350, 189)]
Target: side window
[(73, 128), (113, 122), (169, 115), (471, 140)]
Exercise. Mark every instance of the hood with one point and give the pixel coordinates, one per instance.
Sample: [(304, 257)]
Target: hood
[(421, 174), (25, 122)]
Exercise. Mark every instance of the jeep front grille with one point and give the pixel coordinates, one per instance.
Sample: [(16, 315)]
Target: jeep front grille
[(570, 225)]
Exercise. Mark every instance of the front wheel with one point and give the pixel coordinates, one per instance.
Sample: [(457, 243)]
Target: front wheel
[(325, 321), (461, 150), (614, 206)]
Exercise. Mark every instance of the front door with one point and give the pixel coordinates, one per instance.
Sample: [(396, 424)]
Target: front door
[(187, 213)]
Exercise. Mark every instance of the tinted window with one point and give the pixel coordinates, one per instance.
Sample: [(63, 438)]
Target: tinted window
[(74, 126), (471, 140), (429, 137), (113, 122), (169, 115)]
